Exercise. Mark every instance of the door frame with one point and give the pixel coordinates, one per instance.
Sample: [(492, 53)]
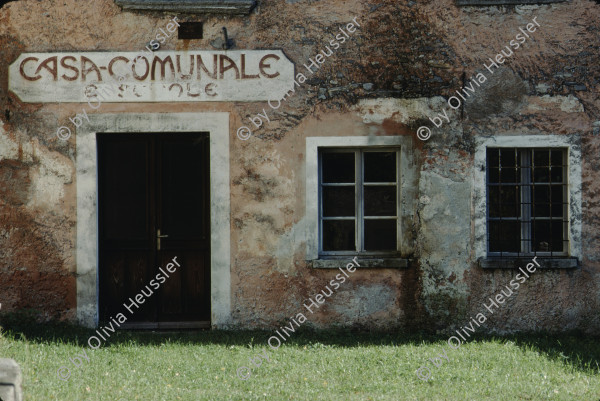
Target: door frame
[(217, 124)]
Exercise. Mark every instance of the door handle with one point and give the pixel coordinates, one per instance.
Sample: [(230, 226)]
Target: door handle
[(158, 237)]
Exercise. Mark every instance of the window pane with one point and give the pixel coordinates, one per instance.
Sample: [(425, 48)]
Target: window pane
[(558, 210), (338, 202), (504, 201), (338, 235), (541, 210), (493, 201), (556, 174), (509, 175), (547, 236), (380, 200), (380, 166), (494, 175), (338, 167), (541, 193), (493, 157), (557, 193), (380, 235), (510, 201), (541, 174), (557, 200), (504, 236), (541, 201), (557, 157), (541, 161), (541, 158), (508, 158)]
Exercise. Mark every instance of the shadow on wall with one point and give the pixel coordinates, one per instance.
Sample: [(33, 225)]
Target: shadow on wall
[(3, 2), (573, 349)]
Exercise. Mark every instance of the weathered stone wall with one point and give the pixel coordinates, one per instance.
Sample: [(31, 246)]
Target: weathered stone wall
[(388, 79)]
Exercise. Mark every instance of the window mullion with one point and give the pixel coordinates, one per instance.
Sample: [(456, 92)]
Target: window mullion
[(487, 202), (398, 201), (526, 199), (359, 193)]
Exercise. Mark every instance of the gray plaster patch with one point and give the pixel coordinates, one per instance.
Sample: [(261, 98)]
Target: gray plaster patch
[(363, 301), (503, 93), (444, 240)]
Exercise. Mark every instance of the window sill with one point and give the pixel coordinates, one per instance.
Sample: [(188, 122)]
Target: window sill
[(364, 262), (516, 262), (191, 6)]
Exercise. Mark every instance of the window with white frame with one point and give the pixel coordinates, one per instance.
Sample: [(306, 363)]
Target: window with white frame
[(527, 201), (359, 205)]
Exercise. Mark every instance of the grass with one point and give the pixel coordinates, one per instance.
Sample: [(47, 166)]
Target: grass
[(324, 365)]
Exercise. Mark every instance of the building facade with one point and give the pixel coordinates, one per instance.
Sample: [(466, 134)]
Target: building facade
[(220, 163)]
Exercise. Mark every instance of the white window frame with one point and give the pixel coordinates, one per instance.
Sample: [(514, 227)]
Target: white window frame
[(406, 190), (359, 186), (573, 145), (526, 216)]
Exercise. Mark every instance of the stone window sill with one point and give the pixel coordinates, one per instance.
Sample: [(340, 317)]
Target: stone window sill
[(191, 6), (365, 262), (516, 262)]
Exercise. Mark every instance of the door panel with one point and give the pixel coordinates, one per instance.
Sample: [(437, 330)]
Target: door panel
[(126, 275), (183, 201), (184, 195), (187, 288), (151, 182)]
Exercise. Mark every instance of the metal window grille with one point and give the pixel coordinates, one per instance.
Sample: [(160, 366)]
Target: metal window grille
[(359, 201), (527, 202)]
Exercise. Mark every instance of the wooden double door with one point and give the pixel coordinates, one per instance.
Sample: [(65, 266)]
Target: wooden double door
[(154, 205)]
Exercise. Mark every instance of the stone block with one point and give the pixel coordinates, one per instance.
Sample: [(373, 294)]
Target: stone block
[(10, 380)]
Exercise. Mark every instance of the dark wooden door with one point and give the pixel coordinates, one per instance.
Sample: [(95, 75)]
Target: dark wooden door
[(152, 185)]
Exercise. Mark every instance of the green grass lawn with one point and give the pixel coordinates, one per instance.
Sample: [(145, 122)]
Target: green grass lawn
[(331, 365)]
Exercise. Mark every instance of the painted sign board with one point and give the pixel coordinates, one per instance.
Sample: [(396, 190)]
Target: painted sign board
[(162, 76)]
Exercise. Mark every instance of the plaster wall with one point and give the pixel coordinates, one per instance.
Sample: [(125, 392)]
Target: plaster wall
[(398, 70)]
